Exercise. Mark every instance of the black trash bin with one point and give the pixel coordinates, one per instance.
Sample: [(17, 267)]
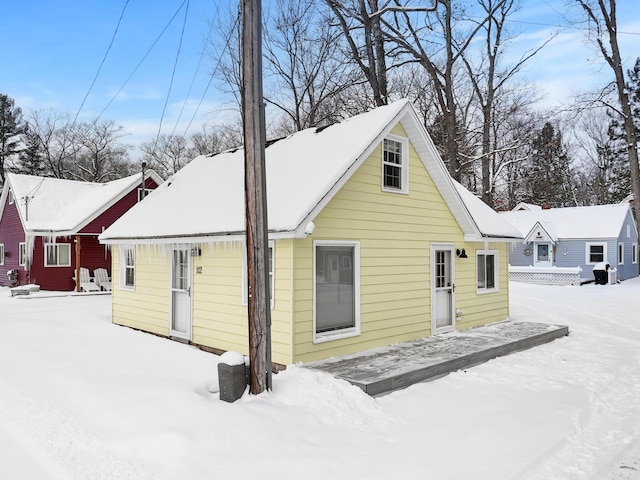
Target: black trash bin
[(600, 273), (232, 376)]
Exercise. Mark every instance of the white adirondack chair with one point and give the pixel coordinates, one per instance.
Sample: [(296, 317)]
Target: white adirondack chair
[(86, 285), (102, 279)]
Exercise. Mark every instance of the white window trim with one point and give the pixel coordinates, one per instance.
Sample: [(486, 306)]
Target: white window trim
[(628, 231), (123, 268), (634, 253), (22, 258), (147, 191), (620, 253), (587, 253), (347, 332), (404, 165), (496, 272), (12, 199), (1, 253), (57, 246), (272, 275)]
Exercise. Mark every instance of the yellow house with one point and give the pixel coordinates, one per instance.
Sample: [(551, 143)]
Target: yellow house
[(371, 243)]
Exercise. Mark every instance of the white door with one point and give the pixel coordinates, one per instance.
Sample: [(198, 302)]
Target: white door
[(181, 294), (442, 289), (543, 255)]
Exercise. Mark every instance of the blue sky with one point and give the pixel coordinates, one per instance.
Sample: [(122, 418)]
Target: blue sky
[(52, 50)]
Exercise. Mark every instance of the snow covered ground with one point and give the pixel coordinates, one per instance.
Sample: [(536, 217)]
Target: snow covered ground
[(81, 398)]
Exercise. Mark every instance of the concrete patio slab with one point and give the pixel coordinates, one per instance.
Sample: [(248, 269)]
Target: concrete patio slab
[(385, 369)]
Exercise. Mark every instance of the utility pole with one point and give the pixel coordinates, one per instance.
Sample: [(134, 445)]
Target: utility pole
[(256, 199)]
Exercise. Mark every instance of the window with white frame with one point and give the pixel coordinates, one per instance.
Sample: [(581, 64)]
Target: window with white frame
[(127, 267), (395, 164), (245, 281), (595, 253), (620, 253), (1, 253), (22, 246), (634, 253), (11, 198), (57, 255), (628, 231), (336, 290), (487, 271)]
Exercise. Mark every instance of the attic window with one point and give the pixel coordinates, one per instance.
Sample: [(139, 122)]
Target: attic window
[(395, 164), (11, 199)]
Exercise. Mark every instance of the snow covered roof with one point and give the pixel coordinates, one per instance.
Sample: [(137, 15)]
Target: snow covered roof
[(206, 198), (490, 223), (52, 205), (599, 221)]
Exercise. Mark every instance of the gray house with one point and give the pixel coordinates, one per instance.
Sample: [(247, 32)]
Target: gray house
[(568, 238)]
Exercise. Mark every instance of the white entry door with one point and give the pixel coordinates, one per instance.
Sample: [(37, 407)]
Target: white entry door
[(181, 293), (442, 288), (543, 255)]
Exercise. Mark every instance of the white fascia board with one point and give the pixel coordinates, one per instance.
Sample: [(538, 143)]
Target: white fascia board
[(188, 240)]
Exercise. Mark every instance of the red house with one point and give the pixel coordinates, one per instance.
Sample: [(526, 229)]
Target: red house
[(49, 227)]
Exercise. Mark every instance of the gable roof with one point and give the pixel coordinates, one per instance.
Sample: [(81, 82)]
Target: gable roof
[(598, 221), (64, 207), (205, 199)]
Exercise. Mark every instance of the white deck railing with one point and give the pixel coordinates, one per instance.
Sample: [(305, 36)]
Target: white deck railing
[(546, 275)]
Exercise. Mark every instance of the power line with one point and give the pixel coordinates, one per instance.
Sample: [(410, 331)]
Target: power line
[(173, 73), (195, 74), (226, 46), (113, 37), (143, 58), (574, 27)]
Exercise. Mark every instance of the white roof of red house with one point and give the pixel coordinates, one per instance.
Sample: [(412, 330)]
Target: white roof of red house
[(598, 221), (206, 198), (52, 205)]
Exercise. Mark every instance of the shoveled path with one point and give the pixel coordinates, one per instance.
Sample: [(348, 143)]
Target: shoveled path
[(385, 369)]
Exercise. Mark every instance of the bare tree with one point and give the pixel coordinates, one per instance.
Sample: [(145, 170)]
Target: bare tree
[(53, 132), (61, 148), (360, 23), (489, 79), (309, 74), (214, 139), (100, 155), (601, 15), (437, 40), (167, 155)]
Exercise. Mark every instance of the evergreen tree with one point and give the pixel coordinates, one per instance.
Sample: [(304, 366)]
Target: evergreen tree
[(30, 159), (12, 127), (549, 177)]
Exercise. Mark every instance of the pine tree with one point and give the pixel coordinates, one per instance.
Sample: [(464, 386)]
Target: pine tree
[(30, 159), (549, 174), (12, 127)]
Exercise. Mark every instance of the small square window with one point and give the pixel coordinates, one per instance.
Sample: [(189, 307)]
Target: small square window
[(595, 253)]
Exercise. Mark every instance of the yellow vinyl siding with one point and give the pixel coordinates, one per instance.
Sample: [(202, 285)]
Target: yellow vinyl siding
[(480, 309), (395, 232), (147, 306), (219, 315)]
